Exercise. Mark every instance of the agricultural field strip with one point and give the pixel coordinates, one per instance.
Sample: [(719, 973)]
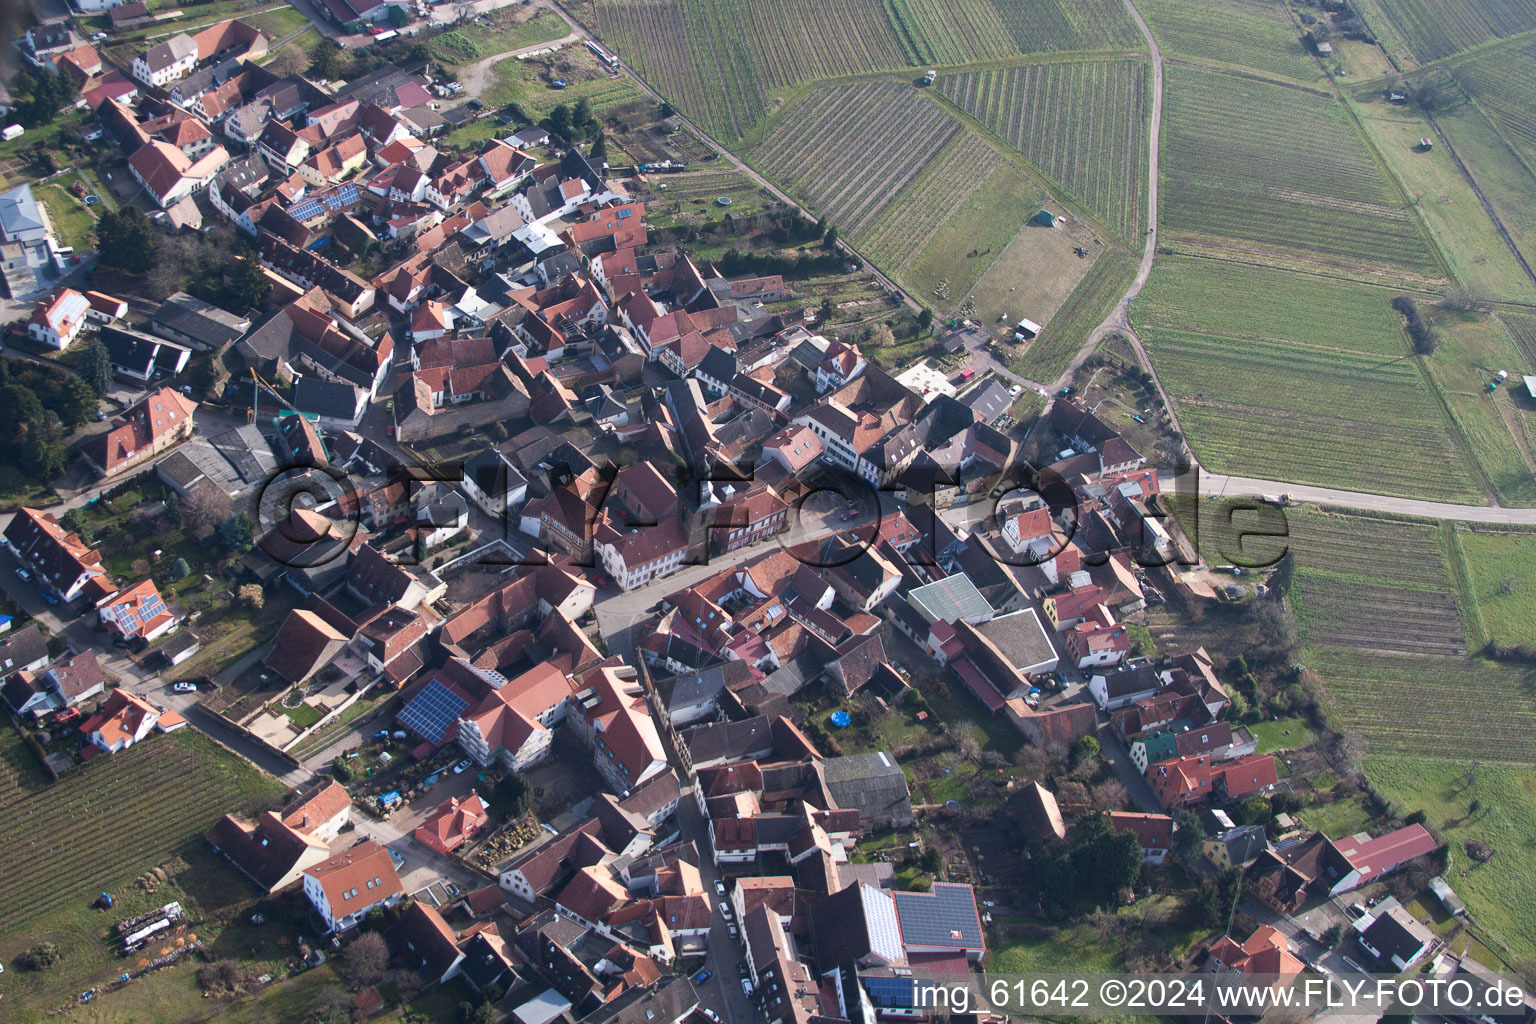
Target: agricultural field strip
[(138, 803), (1059, 25), (1082, 125), (1379, 618), (1503, 88), (1433, 29), (1326, 195), (1247, 34), (705, 54), (1238, 300), (1257, 408), (1522, 328), (949, 31), (1428, 706), (851, 156), (910, 221)]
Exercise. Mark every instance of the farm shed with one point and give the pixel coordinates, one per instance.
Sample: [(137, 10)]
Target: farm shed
[(1026, 330), (1045, 218), (1530, 385)]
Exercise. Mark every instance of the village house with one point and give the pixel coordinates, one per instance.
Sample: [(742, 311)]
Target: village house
[(138, 612), (62, 562), (57, 320), (125, 719), (158, 421), (344, 888)]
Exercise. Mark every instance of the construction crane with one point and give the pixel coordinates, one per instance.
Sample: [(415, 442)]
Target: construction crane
[(257, 383)]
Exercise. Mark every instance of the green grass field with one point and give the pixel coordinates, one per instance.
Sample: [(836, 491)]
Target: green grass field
[(1341, 818), (72, 222), (530, 83), (1442, 196), (1283, 734), (1260, 303), (1243, 33), (1498, 427), (1082, 124), (475, 42), (1293, 185), (972, 236), (1503, 583), (1498, 892), (279, 23)]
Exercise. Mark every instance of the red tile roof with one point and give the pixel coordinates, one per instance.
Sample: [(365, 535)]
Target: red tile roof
[(357, 878)]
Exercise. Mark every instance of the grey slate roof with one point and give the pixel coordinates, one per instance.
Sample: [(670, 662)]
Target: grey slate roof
[(333, 398), (988, 400), (201, 321), (730, 741), (18, 211), (874, 784)]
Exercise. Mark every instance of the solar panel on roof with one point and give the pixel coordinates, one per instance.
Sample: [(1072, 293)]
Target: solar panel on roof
[(432, 711), (890, 991)]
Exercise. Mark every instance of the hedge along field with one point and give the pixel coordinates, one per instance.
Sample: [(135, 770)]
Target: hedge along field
[(1083, 124), (1289, 412), (1432, 29), (1243, 300), (1279, 173), (849, 151), (1246, 33)]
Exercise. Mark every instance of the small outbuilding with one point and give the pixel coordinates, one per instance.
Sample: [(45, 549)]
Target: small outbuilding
[(1045, 218)]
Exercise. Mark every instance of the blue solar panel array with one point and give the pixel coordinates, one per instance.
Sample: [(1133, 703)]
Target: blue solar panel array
[(432, 711), (339, 198), (891, 992)]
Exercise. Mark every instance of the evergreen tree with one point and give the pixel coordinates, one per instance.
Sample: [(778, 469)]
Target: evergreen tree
[(45, 453), (599, 151), (125, 239), (560, 121), (74, 402), (96, 367)]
